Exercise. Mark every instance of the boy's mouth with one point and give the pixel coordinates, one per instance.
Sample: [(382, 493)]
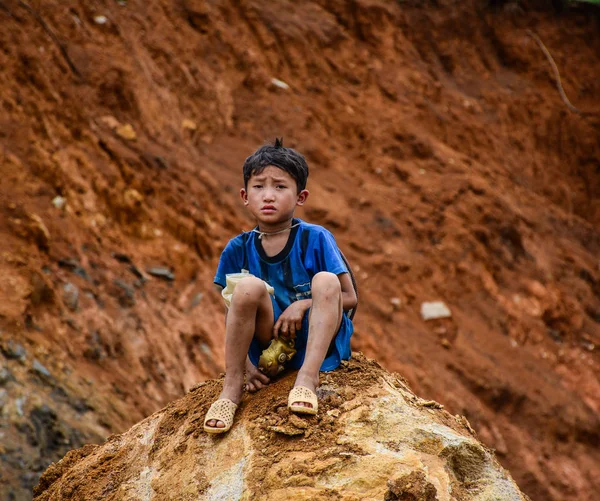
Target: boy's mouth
[(268, 208)]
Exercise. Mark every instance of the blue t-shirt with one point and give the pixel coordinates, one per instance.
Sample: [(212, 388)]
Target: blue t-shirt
[(310, 249)]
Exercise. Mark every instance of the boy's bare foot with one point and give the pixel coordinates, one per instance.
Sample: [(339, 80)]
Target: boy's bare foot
[(308, 381), (255, 380)]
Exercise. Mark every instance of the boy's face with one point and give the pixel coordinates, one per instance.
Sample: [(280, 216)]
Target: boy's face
[(272, 197)]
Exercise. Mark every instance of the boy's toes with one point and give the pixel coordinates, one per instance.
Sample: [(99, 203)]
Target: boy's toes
[(213, 423), (257, 385), (302, 404)]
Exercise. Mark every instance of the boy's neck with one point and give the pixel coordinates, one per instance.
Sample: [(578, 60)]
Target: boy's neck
[(277, 228), (274, 240)]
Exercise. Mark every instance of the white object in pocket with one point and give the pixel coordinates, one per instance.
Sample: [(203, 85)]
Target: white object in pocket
[(232, 279)]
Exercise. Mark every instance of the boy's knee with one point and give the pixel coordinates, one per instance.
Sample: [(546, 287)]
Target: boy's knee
[(325, 284), (248, 290)]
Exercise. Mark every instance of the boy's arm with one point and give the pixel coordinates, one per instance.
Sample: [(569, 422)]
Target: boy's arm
[(330, 258), (349, 299)]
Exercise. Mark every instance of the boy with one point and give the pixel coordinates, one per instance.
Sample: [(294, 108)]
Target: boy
[(303, 264)]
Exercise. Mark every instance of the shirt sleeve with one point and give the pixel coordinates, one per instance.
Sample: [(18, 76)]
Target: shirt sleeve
[(328, 256), (230, 262)]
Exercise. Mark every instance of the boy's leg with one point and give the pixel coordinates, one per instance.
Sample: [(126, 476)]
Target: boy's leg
[(250, 313), (323, 323)]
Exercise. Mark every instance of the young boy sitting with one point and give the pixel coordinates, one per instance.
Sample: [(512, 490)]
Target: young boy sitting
[(303, 264)]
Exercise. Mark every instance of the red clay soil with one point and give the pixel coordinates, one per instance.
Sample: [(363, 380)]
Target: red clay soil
[(443, 159)]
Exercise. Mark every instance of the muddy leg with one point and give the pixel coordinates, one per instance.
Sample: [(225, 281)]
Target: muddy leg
[(324, 321)]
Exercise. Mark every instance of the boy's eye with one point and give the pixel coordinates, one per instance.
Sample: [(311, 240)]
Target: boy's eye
[(281, 186), (258, 186)]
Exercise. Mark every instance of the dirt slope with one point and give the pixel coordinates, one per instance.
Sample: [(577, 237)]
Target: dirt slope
[(442, 158)]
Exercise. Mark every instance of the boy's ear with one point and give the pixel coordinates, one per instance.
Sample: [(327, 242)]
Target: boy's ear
[(244, 195), (302, 196)]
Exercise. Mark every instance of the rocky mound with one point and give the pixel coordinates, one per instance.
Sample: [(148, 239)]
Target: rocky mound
[(372, 439)]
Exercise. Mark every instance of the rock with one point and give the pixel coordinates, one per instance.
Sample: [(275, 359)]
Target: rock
[(71, 296), (411, 487), (127, 296), (434, 310), (430, 403), (100, 19), (290, 431), (38, 231), (5, 375), (189, 124), (279, 84), (59, 202), (74, 266), (384, 447), (122, 258), (50, 433), (396, 302), (133, 269), (14, 350), (3, 402), (20, 405), (40, 369), (537, 289), (110, 122), (133, 199), (298, 422), (96, 349), (164, 273), (126, 131), (466, 460)]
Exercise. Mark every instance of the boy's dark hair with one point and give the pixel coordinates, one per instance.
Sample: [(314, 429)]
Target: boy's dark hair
[(286, 159)]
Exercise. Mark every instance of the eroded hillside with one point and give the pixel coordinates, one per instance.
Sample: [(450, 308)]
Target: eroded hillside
[(442, 158)]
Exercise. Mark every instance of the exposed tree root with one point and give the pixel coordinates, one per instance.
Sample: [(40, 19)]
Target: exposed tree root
[(563, 95)]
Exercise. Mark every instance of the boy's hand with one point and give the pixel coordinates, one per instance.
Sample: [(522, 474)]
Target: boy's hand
[(290, 320)]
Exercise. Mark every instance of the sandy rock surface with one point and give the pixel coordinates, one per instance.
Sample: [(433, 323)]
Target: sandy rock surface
[(372, 439)]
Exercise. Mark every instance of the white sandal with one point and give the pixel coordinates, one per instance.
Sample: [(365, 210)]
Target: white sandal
[(304, 395), (221, 410)]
